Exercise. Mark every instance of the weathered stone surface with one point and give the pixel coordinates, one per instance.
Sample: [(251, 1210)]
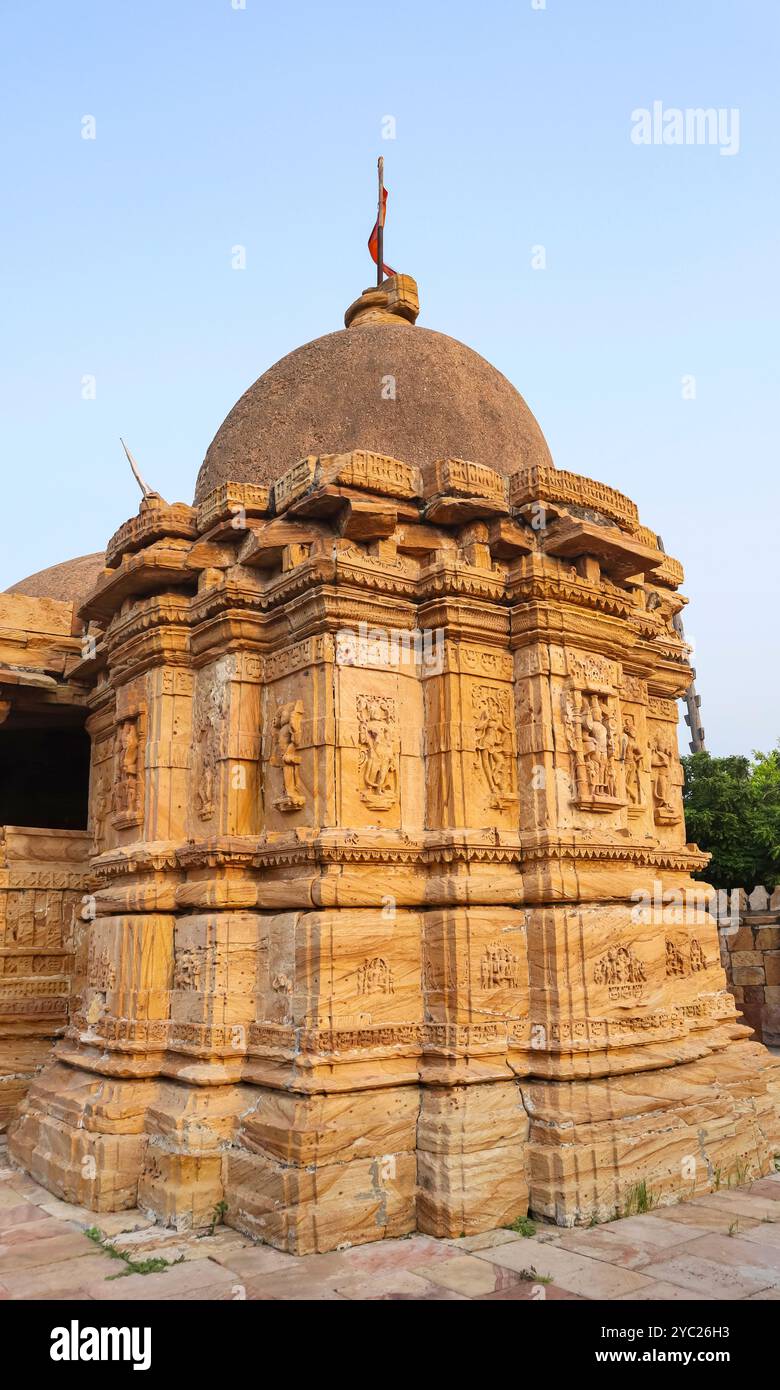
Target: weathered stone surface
[(471, 1143)]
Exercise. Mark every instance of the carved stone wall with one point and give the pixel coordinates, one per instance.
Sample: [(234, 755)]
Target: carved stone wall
[(43, 876)]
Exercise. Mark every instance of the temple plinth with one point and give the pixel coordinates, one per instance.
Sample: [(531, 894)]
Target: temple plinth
[(391, 923)]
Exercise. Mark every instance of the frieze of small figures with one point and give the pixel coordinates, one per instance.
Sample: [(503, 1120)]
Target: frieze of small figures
[(34, 1007), (680, 962), (308, 652), (500, 967), (621, 970)]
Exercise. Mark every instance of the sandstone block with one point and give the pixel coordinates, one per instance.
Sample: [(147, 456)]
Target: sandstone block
[(471, 1158), (305, 1130), (742, 940), (749, 975), (743, 958), (307, 1210), (772, 967)]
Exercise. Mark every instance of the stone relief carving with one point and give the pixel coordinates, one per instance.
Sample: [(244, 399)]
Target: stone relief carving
[(438, 975), (378, 765), (209, 721), (622, 971), (676, 962), (662, 762), (591, 672), (499, 966), (495, 744), (375, 977), (102, 970), (633, 757), (101, 806), (127, 783), (698, 961), (287, 732), (633, 688), (590, 724), (188, 969)]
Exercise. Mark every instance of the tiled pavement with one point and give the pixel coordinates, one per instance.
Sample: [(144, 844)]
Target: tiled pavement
[(722, 1246)]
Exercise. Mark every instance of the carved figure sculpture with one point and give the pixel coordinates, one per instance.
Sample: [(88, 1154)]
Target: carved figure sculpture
[(633, 760), (287, 725), (126, 784), (493, 732), (698, 961), (378, 770), (619, 966), (375, 977), (675, 961), (661, 761), (499, 966)]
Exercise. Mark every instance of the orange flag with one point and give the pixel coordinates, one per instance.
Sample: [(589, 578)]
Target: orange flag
[(373, 240)]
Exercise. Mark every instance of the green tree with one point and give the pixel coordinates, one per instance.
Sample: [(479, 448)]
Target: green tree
[(732, 810)]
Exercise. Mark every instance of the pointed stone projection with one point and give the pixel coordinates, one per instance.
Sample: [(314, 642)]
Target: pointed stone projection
[(394, 926)]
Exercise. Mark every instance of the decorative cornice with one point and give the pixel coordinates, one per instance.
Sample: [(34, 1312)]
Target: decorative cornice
[(546, 484)]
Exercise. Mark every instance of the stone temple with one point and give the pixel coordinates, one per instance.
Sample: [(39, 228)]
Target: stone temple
[(344, 888)]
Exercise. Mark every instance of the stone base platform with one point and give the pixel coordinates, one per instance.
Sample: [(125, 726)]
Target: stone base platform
[(306, 1173)]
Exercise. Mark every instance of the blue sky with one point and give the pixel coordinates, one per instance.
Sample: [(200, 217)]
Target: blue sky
[(219, 126)]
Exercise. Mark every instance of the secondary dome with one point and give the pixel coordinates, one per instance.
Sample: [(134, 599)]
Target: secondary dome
[(380, 384), (70, 582)]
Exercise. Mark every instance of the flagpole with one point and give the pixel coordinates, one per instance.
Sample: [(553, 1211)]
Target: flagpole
[(380, 231)]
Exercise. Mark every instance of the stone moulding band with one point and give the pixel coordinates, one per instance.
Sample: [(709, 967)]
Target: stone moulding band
[(543, 484)]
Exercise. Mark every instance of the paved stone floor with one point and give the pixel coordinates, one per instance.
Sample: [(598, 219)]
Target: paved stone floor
[(722, 1246)]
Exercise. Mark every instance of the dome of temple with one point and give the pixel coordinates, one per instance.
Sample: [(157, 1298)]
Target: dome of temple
[(70, 582), (381, 384)]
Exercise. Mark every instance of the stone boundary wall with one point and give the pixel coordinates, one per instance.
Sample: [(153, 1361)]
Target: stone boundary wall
[(750, 955)]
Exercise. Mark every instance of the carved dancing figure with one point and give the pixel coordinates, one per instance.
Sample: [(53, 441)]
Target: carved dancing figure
[(493, 738), (288, 727), (378, 762)]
